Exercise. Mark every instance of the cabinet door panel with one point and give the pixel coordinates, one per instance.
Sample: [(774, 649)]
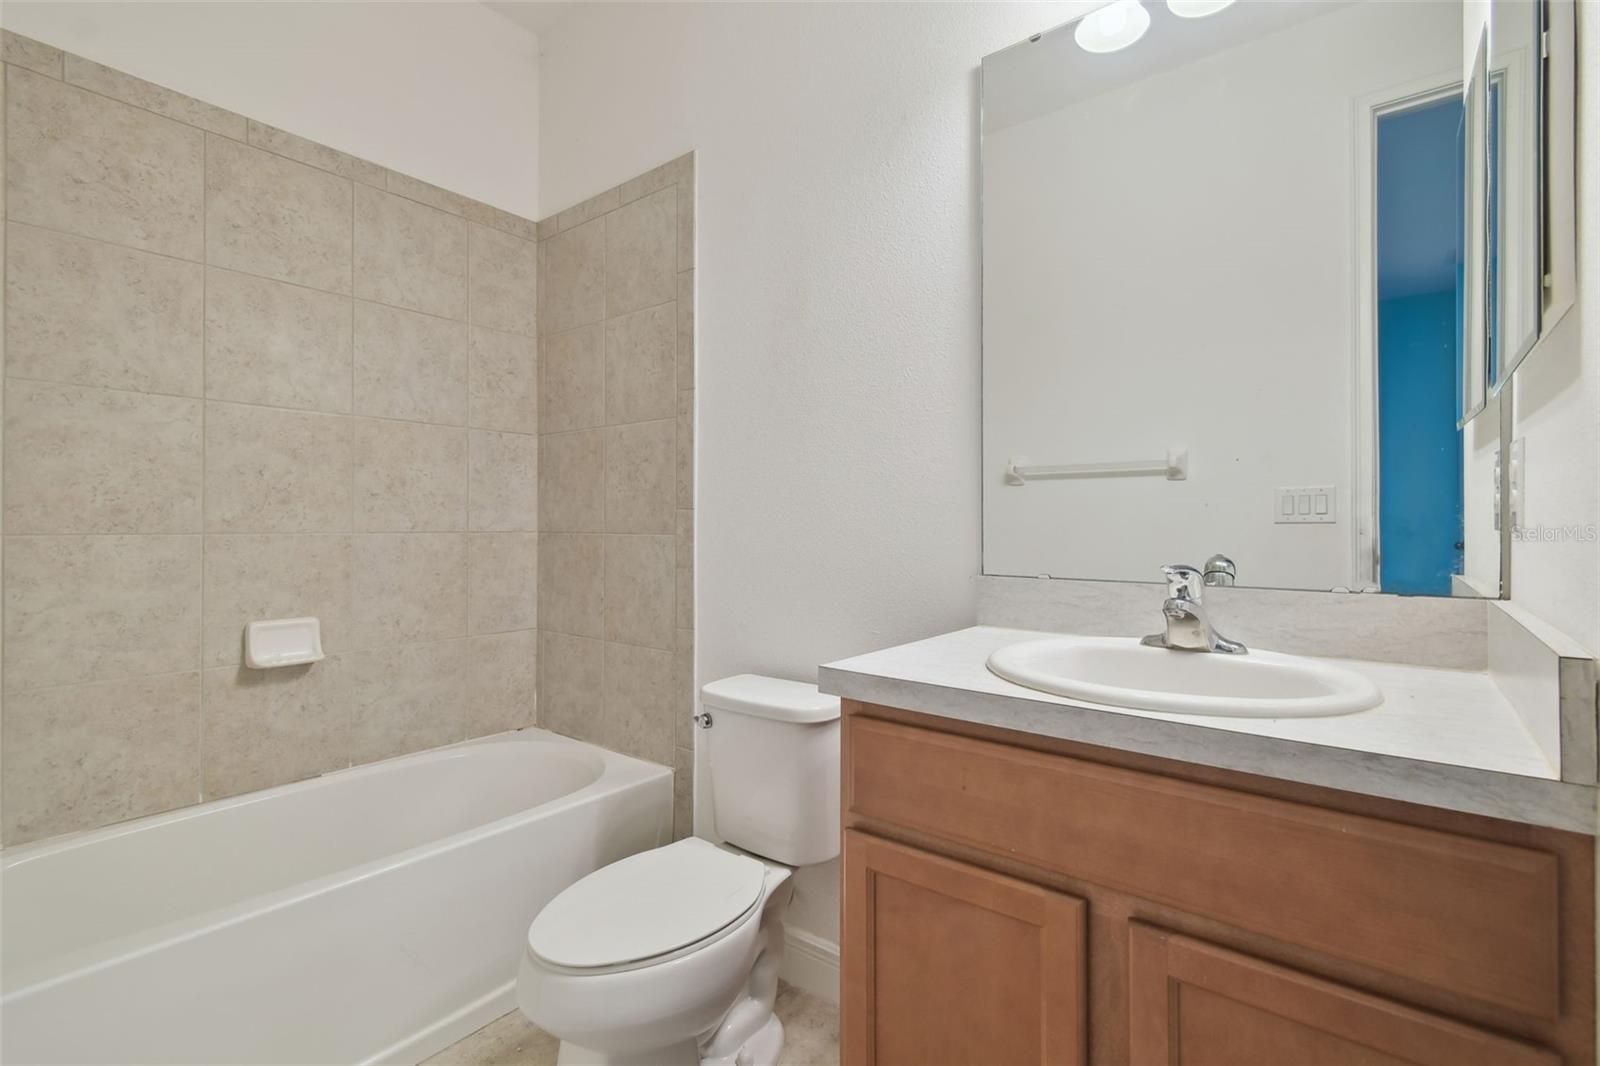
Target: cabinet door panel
[(1201, 1005), (951, 964), (1469, 916)]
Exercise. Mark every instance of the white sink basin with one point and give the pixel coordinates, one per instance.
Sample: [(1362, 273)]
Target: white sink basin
[(1121, 672)]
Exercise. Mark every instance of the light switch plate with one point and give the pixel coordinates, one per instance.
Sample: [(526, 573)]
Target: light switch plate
[(1305, 504), (1518, 480)]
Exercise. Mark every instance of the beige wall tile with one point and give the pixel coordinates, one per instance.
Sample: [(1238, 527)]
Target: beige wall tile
[(504, 382), (81, 460), (409, 477), (503, 582), (423, 193), (650, 181), (408, 587), (78, 162), (272, 216), (504, 482), (641, 253), (80, 609), (410, 365), (152, 97), (686, 225), (90, 313), (269, 727), (410, 255), (255, 578), (685, 343), (682, 793), (272, 471), (572, 482), (570, 687), (572, 372), (503, 683), (88, 755), (407, 699), (683, 690), (684, 570), (685, 448), (593, 207), (269, 342), (639, 589), (572, 278), (504, 280), (523, 228), (301, 150), (640, 477), (571, 584), (26, 52), (641, 365), (638, 702)]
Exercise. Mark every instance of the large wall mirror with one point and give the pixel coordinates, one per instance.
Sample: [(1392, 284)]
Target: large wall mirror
[(1253, 277)]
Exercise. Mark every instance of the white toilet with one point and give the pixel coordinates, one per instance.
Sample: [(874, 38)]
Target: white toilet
[(670, 957)]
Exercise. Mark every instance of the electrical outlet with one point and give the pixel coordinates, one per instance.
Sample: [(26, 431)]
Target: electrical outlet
[(1518, 478), (1305, 504)]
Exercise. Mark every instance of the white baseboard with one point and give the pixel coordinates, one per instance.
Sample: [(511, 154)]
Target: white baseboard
[(811, 964)]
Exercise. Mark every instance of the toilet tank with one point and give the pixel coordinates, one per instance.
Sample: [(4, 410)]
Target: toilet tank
[(772, 762)]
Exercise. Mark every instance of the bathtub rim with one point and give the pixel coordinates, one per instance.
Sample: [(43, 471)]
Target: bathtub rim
[(618, 772)]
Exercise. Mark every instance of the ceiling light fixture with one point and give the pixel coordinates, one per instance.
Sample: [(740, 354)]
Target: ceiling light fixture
[(1196, 9), (1113, 27)]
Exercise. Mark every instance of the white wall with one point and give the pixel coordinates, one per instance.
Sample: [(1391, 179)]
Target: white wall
[(1557, 397), (446, 92), (837, 319), (1173, 262)]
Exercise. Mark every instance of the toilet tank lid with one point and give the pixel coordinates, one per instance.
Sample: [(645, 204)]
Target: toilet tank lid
[(771, 697)]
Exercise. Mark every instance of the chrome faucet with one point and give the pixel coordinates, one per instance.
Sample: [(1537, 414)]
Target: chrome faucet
[(1188, 628)]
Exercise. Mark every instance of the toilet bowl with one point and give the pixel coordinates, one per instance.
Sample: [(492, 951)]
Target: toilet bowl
[(666, 973), (670, 957)]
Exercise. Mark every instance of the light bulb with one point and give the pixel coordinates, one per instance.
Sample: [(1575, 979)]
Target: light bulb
[(1113, 27), (1196, 9)]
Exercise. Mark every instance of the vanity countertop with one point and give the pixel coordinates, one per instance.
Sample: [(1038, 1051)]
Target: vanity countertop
[(1445, 738)]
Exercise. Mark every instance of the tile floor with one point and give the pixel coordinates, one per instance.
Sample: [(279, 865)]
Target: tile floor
[(810, 1038)]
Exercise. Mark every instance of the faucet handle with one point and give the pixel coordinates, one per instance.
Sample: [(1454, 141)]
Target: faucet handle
[(1183, 582)]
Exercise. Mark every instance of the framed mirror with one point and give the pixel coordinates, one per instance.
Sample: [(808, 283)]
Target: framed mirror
[(1513, 124), (1224, 298), (1476, 282), (1531, 203)]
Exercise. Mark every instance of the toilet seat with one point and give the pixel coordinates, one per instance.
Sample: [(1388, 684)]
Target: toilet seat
[(647, 907)]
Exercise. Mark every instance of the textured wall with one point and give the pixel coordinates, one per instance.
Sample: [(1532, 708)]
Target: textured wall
[(248, 376), (616, 473), (1555, 567), (837, 266)]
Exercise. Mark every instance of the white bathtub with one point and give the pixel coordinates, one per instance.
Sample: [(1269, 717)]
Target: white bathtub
[(371, 915)]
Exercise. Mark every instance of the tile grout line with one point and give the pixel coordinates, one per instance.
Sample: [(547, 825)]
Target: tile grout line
[(347, 707), (313, 412), (205, 340), (5, 356), (467, 696), (204, 263)]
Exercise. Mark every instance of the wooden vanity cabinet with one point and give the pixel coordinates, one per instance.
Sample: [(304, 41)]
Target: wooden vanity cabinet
[(1010, 899)]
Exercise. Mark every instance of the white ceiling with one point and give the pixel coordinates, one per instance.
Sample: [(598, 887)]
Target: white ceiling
[(535, 15)]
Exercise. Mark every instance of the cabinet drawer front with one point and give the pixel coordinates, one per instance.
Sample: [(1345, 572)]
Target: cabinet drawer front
[(1193, 1002), (948, 963), (1464, 915)]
